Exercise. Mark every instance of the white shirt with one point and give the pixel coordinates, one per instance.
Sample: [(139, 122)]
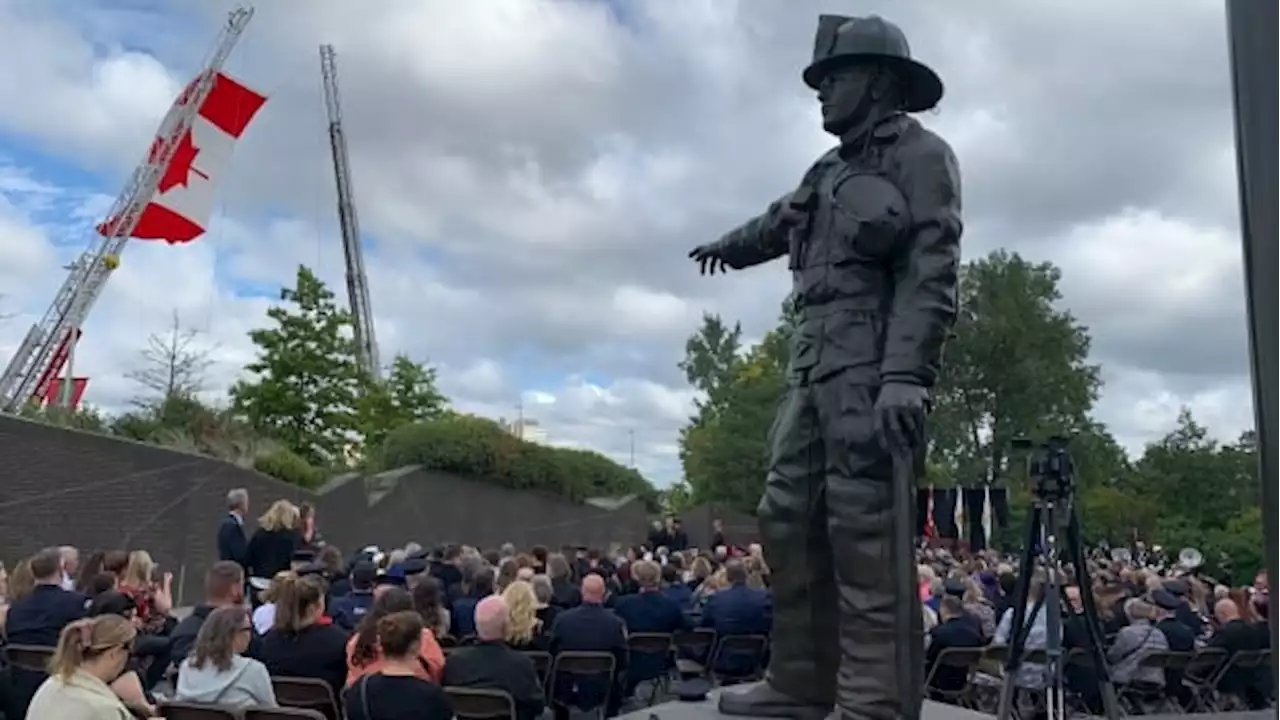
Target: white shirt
[(264, 617)]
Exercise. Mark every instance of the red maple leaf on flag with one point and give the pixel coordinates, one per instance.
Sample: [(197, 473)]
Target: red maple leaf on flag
[(179, 169)]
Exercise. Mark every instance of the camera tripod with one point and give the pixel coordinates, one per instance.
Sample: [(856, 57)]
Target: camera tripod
[(1047, 511)]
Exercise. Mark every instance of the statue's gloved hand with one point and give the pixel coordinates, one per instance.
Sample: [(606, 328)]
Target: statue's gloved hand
[(899, 415), (710, 259)]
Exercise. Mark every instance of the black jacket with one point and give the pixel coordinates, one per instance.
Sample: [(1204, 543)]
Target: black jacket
[(494, 666), (232, 545), (271, 551)]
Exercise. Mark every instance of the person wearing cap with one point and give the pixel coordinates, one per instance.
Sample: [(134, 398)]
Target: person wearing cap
[(872, 232), (350, 608), (1179, 637), (1187, 615)]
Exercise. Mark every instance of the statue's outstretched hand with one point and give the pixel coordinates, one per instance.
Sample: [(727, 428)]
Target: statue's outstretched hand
[(709, 259)]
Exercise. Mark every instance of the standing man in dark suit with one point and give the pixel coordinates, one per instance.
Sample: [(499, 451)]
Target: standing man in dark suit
[(717, 534), (232, 543), (590, 627)]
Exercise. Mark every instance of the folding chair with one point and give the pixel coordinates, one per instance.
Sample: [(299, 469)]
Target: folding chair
[(658, 646), (959, 658), (479, 704), (1244, 660), (306, 694), (196, 711), (693, 650), (754, 647), (583, 665), (1200, 675), (32, 658), (282, 713), (541, 663), (1141, 697)]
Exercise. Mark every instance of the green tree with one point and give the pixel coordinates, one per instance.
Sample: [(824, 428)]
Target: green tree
[(1016, 365), (305, 380), (1200, 484), (710, 358), (724, 449), (676, 499), (409, 394)]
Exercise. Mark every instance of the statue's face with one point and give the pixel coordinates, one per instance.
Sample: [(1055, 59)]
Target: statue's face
[(842, 93)]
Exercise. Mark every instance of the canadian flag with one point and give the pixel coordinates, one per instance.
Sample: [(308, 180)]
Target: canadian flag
[(180, 210), (54, 396)]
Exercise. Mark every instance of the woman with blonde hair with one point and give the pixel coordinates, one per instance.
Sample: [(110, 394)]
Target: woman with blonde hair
[(699, 570), (264, 616), (275, 541), (217, 672), (90, 655), (153, 600), (524, 630)]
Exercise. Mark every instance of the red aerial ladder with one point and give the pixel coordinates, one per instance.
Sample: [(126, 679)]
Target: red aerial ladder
[(50, 344)]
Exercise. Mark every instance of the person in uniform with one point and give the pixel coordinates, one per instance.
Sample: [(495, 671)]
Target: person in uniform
[(873, 234)]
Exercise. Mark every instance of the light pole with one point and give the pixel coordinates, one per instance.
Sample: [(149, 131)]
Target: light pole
[(1251, 27)]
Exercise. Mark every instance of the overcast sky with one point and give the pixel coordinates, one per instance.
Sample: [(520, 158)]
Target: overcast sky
[(530, 174)]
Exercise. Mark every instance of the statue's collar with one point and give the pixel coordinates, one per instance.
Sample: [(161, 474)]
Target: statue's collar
[(885, 130)]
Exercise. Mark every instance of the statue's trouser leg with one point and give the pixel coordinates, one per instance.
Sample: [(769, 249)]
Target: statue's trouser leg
[(860, 517), (804, 653)]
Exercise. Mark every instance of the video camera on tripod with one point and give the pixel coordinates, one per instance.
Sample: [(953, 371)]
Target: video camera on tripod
[(1050, 467), (1053, 541)]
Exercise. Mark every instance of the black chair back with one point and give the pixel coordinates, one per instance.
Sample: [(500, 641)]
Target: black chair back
[(478, 704), (194, 711), (306, 694)]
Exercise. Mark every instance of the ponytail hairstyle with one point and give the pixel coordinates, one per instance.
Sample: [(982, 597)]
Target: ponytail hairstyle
[(395, 600), (268, 595), (295, 597), (87, 639), (399, 634)]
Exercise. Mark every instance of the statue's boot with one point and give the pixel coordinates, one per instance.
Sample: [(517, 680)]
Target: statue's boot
[(763, 700)]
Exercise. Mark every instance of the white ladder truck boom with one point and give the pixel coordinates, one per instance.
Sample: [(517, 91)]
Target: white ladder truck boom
[(41, 355), (357, 281)]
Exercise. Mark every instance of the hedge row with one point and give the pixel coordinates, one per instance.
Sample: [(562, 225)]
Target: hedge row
[(480, 448)]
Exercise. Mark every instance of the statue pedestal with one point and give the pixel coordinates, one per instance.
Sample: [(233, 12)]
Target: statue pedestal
[(707, 709)]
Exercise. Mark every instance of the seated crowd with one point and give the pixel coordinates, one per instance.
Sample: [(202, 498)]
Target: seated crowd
[(1171, 641), (386, 633), (406, 633)]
